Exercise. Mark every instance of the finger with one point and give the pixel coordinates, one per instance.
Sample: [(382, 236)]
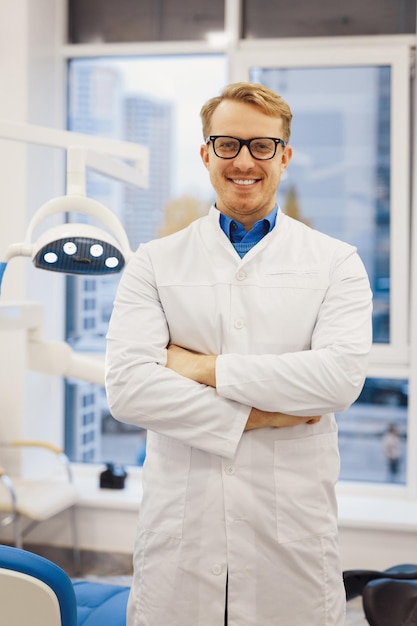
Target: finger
[(314, 420)]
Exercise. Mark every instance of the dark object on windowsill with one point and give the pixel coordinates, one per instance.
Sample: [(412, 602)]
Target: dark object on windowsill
[(113, 476)]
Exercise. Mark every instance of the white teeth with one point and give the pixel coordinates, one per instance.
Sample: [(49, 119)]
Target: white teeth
[(244, 182)]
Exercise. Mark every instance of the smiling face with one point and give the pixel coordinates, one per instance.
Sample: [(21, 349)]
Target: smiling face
[(245, 187)]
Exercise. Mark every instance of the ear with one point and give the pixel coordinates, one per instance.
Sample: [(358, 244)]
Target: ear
[(286, 157), (204, 153)]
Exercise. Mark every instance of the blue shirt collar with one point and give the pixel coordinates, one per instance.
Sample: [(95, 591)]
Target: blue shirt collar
[(236, 232)]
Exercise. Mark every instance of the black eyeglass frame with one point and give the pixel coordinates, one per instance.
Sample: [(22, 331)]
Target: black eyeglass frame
[(244, 142)]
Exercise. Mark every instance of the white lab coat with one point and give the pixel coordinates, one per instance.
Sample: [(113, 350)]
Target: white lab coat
[(291, 322)]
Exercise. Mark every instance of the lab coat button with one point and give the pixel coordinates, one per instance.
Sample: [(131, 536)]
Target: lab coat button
[(241, 275), (229, 469), (239, 324), (216, 569)]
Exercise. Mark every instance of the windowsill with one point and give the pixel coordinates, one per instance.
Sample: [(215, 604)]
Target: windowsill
[(87, 480), (382, 507), (379, 507)]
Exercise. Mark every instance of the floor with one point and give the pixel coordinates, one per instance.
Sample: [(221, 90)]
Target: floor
[(117, 569), (354, 614)]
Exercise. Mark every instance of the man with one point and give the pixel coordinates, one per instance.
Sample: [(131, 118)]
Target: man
[(391, 442), (233, 342)]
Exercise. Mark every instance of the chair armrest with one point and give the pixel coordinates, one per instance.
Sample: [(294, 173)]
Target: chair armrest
[(46, 445), (7, 482), (31, 443)]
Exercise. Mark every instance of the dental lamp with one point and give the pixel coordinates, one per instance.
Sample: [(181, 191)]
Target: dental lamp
[(71, 248), (75, 248), (78, 248)]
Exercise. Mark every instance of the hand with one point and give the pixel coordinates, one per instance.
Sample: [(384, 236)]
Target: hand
[(264, 419), (198, 367)]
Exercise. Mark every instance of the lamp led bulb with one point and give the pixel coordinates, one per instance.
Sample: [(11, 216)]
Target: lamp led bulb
[(69, 247), (78, 249)]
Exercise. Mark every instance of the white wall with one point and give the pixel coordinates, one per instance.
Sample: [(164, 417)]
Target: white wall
[(13, 105), (31, 79), (376, 548)]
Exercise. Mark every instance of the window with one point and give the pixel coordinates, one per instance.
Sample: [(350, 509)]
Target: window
[(129, 20), (89, 304), (263, 18), (347, 178), (327, 185), (373, 433), (126, 99)]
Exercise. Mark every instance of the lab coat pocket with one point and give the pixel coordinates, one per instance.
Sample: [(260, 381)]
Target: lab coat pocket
[(306, 471), (165, 479)]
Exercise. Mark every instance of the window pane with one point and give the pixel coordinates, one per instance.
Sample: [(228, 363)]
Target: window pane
[(373, 433), (303, 18), (97, 21), (339, 178), (156, 102)]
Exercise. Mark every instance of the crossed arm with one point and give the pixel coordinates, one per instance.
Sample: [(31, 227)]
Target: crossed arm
[(202, 369)]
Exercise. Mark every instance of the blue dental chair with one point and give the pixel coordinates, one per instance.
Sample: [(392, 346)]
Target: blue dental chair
[(35, 591)]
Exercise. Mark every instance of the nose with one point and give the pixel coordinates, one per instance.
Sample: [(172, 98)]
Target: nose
[(244, 159)]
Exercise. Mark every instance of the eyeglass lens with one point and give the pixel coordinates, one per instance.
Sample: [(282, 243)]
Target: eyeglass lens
[(229, 147)]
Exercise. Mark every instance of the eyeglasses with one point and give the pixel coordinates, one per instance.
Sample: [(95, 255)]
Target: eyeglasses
[(260, 148)]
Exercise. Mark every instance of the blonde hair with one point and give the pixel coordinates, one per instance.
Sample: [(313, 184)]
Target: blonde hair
[(266, 100)]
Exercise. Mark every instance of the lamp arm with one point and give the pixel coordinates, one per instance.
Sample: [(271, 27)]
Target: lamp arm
[(56, 138), (54, 357), (79, 157), (137, 176), (17, 249), (58, 358)]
